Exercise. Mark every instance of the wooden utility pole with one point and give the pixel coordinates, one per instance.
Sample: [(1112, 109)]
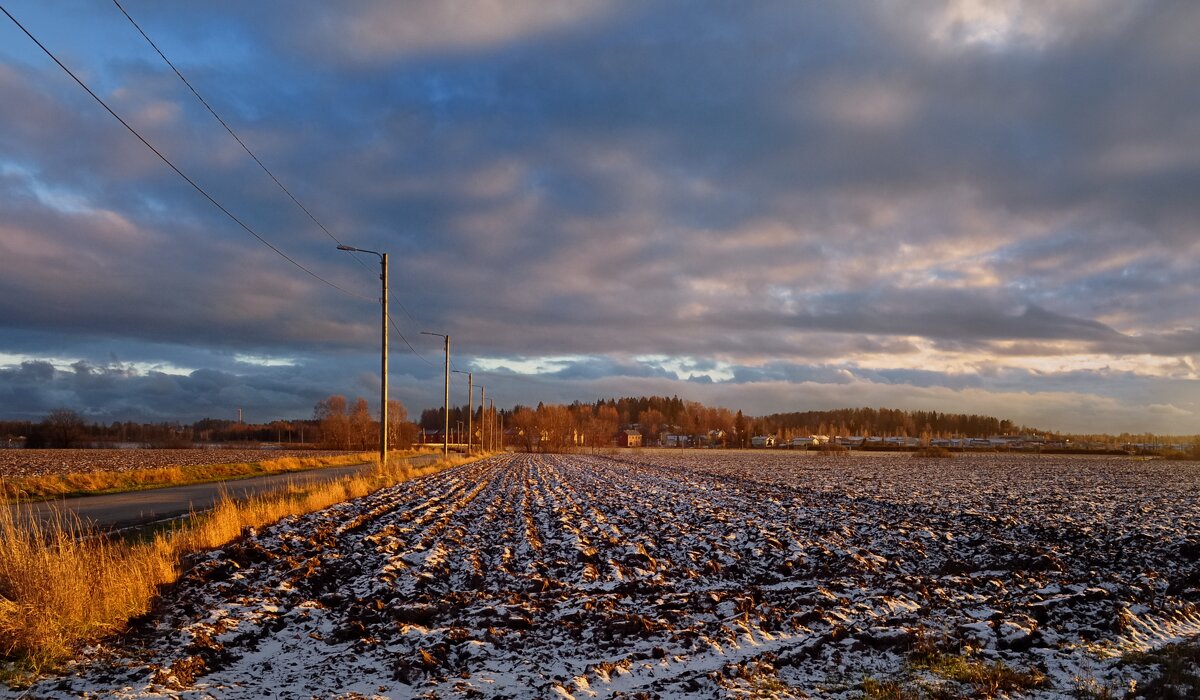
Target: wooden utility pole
[(383, 353), (470, 409), (383, 367), (446, 405)]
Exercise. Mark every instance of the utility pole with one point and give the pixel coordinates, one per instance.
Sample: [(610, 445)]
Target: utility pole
[(446, 403), (383, 366), (500, 432), (483, 423), (470, 408), (383, 354)]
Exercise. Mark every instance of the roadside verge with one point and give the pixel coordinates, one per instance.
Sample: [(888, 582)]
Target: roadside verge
[(63, 586), (90, 483)]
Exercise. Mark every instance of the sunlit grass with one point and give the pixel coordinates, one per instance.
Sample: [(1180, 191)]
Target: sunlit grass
[(63, 585), (936, 669), (1175, 670), (36, 488), (934, 451)]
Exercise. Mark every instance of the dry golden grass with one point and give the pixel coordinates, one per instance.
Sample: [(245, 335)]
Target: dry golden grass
[(87, 483), (24, 462), (58, 586), (62, 586)]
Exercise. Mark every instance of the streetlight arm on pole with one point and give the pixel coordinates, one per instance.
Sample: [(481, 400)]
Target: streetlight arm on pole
[(352, 249), (383, 363)]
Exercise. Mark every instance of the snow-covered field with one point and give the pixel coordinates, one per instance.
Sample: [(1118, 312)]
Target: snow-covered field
[(687, 574)]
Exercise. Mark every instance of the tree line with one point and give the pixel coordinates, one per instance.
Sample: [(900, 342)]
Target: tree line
[(336, 424), (342, 426), (555, 427), (886, 422)]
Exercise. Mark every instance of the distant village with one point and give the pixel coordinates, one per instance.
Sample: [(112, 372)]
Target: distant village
[(634, 436)]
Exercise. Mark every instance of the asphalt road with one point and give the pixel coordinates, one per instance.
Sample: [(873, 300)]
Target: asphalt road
[(121, 510)]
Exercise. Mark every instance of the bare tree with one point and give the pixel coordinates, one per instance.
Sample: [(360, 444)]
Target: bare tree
[(64, 428), (603, 426), (525, 421), (362, 428), (652, 422), (335, 424), (401, 432), (554, 422)]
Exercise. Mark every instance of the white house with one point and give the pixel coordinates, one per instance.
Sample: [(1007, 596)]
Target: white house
[(762, 441)]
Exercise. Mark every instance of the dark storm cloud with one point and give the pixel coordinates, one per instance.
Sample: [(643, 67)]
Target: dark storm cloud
[(119, 391), (768, 184), (104, 394)]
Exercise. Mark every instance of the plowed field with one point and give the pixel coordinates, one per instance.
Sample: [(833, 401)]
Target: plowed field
[(687, 575)]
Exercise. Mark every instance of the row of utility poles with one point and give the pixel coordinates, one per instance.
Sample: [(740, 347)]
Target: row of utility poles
[(488, 429)]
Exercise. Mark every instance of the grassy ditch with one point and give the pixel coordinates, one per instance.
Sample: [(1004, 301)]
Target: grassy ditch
[(1173, 670), (937, 670), (63, 586), (45, 487)]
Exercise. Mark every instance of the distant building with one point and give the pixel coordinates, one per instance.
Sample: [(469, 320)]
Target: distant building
[(629, 438), (806, 441), (674, 440), (762, 441)]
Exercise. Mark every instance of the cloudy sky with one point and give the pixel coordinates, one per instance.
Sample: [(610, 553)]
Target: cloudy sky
[(967, 205)]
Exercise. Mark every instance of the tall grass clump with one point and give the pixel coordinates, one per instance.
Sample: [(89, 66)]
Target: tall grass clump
[(60, 584), (64, 585), (934, 451)]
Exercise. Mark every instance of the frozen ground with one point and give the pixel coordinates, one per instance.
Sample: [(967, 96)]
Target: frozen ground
[(687, 574)]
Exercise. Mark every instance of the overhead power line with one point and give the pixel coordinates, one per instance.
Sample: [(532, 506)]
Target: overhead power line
[(172, 166), (410, 347), (196, 186), (227, 127), (242, 143)]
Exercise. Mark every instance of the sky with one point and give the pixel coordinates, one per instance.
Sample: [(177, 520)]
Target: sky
[(964, 206)]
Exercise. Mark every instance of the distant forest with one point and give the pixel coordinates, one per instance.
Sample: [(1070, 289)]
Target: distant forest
[(888, 422), (338, 423), (653, 415), (65, 428)]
